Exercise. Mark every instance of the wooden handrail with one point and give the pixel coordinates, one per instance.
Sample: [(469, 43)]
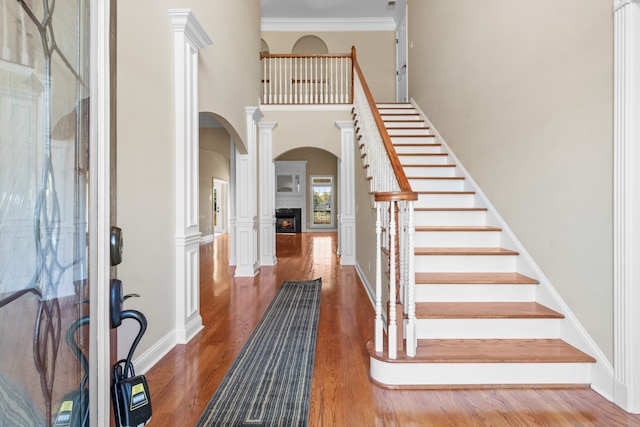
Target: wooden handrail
[(295, 55), (405, 193)]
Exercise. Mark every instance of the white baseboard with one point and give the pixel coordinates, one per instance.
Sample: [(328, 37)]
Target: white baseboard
[(149, 358)]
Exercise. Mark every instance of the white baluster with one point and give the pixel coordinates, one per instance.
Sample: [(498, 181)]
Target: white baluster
[(411, 336), (392, 328), (271, 83), (6, 52), (379, 326), (24, 53), (296, 77)]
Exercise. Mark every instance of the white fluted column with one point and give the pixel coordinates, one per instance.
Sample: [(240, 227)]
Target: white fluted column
[(246, 226), (627, 205), (189, 37), (346, 202), (267, 195)]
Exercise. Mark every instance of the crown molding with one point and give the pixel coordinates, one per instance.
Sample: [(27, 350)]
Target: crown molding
[(617, 4), (328, 24)]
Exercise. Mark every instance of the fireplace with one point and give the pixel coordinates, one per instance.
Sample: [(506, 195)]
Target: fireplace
[(288, 220)]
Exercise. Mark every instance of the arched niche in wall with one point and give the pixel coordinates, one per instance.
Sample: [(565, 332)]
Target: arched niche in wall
[(264, 47), (310, 45)]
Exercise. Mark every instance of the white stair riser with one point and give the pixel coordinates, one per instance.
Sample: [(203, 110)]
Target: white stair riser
[(397, 109), (427, 146), (457, 239), (450, 218), (394, 123), (465, 263), (400, 132), (487, 328), (479, 373), (455, 200), (436, 185), (432, 171), (475, 293), (414, 141), (400, 115), (439, 158), (409, 154)]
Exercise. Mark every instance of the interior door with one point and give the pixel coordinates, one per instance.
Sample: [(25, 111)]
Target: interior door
[(45, 200), (401, 62), (220, 195)]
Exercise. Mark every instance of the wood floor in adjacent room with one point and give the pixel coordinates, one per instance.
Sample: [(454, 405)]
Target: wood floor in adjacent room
[(342, 395)]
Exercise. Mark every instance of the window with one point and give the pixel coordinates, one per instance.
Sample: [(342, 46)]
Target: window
[(322, 205)]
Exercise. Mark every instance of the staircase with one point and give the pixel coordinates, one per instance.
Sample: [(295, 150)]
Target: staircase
[(478, 322)]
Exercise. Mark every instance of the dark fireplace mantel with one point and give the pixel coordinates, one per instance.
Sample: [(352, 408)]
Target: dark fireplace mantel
[(288, 220)]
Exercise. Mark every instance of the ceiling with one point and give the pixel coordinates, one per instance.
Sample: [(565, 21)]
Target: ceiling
[(327, 9), (331, 15)]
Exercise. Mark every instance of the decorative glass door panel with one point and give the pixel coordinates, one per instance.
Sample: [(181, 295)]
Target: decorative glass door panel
[(322, 202), (44, 172)]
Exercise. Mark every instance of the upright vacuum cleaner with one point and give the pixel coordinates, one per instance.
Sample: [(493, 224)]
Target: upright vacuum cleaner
[(130, 393)]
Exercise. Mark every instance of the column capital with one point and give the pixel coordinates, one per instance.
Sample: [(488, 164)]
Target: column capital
[(344, 124), (185, 21), (617, 4), (267, 125)]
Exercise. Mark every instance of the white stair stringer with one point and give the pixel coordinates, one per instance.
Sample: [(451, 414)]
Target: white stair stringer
[(452, 212)]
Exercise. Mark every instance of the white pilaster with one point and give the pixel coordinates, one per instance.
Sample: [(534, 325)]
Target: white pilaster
[(189, 37), (232, 203), (246, 227), (346, 203), (627, 205), (267, 195)]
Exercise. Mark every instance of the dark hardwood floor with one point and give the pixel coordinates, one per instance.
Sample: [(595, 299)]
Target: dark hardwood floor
[(342, 394)]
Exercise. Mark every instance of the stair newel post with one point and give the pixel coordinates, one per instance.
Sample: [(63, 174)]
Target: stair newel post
[(412, 341), (379, 326), (392, 331)]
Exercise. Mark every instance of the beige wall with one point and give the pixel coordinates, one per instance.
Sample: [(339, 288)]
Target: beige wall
[(229, 81), (214, 163), (375, 51), (522, 92), (297, 129), (365, 224)]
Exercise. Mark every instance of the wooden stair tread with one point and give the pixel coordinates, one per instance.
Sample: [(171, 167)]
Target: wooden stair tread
[(445, 192), (409, 136), (430, 165), (456, 228), (474, 278), (450, 209), (489, 351), (464, 251), (436, 177), (485, 310)]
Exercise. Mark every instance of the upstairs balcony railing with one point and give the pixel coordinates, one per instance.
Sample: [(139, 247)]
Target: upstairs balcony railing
[(306, 79), (338, 79)]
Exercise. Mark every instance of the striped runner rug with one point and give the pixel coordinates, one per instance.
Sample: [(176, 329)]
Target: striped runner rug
[(269, 383)]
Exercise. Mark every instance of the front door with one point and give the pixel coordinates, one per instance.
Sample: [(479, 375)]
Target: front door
[(45, 177)]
